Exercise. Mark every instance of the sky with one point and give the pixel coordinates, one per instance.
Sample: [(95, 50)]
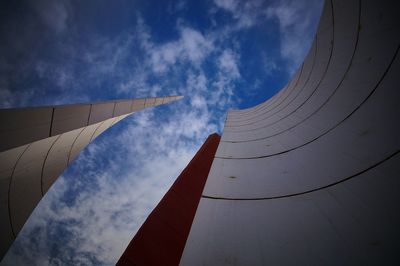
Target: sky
[(218, 54)]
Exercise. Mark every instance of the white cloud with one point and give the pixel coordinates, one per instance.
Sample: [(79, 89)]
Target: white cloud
[(191, 46), (195, 45), (228, 64), (164, 56), (198, 101), (223, 85), (297, 22), (270, 66), (196, 82), (229, 5), (245, 13)]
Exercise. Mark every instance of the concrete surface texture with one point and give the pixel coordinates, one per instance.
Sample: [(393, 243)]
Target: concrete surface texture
[(311, 176), (39, 143)]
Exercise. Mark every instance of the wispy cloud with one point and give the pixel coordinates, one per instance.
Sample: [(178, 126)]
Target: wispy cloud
[(228, 74), (297, 22), (192, 46), (246, 13), (228, 63)]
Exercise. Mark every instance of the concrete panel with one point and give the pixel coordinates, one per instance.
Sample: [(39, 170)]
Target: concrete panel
[(122, 107), (150, 102), (341, 225), (70, 117), (102, 127), (90, 133), (25, 125), (237, 116), (167, 99), (101, 112), (22, 126), (137, 104), (57, 158), (351, 147), (159, 101), (119, 118), (8, 160), (26, 188), (82, 140)]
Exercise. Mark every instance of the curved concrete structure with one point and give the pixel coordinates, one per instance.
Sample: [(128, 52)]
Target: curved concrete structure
[(37, 144), (311, 176)]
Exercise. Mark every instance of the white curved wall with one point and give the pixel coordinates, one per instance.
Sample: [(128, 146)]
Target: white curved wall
[(310, 177)]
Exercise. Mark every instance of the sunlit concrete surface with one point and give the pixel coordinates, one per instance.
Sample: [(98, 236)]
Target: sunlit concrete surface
[(37, 144), (311, 176)]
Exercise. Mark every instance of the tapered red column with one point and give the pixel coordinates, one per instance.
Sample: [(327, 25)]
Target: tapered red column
[(162, 237)]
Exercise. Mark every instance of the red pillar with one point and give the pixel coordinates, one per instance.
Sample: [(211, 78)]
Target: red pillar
[(162, 237)]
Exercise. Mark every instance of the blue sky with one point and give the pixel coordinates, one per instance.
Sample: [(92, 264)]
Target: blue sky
[(219, 54)]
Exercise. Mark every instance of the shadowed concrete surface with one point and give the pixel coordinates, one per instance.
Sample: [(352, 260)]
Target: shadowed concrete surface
[(311, 176), (39, 143)]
